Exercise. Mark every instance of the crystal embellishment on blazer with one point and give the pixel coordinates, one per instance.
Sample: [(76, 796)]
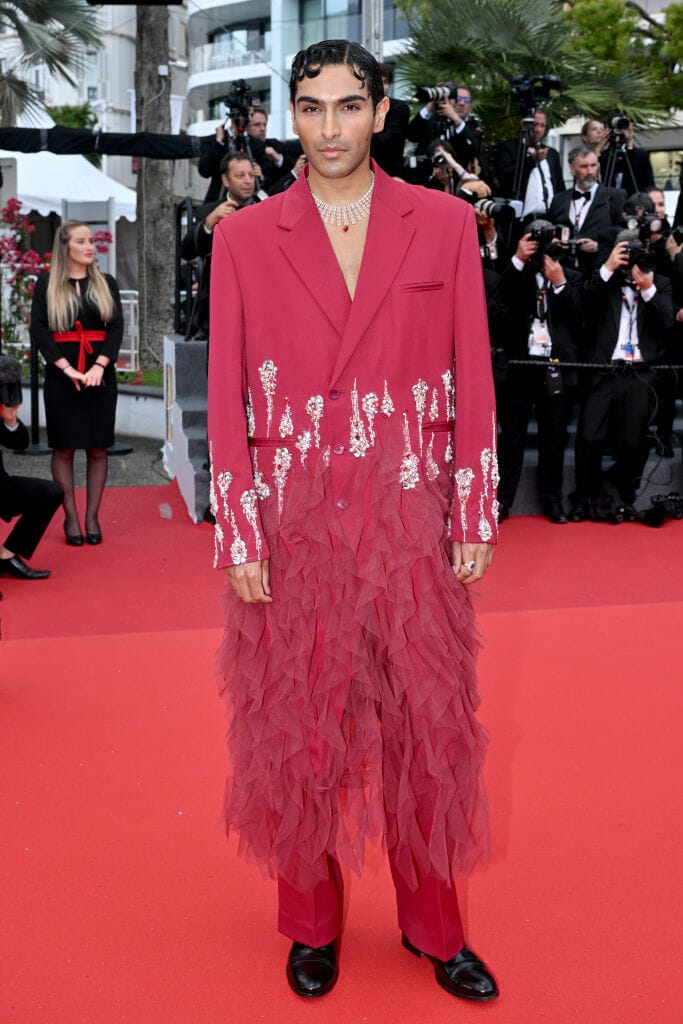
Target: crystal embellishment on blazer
[(358, 441), (387, 406), (409, 474), (495, 476), (420, 395), (449, 391), (434, 406), (268, 374), (370, 405), (303, 445), (315, 407), (463, 479), (251, 422), (248, 502), (260, 486), (432, 467), (286, 424), (281, 465)]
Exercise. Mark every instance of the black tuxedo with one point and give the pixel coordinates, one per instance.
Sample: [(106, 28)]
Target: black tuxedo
[(620, 400), (387, 146), (603, 221), (526, 389), (506, 161), (423, 130), (34, 501), (633, 165)]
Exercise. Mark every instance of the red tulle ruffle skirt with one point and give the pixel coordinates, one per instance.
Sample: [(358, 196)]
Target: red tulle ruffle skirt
[(352, 697)]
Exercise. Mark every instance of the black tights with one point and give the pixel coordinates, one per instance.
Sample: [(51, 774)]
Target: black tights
[(95, 477)]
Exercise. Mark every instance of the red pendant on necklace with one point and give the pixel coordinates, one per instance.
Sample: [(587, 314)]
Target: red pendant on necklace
[(346, 227)]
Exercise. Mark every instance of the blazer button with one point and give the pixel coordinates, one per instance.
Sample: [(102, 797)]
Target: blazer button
[(342, 503), (334, 394), (339, 449)]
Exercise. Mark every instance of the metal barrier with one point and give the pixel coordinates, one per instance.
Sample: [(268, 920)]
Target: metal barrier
[(129, 353)]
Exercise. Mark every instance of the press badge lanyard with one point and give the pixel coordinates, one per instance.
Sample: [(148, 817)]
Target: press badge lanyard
[(539, 338), (629, 347)]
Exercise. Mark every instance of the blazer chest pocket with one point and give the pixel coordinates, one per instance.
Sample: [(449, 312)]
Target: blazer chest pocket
[(421, 286)]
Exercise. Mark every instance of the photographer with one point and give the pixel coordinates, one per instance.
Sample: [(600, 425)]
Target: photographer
[(623, 164), (386, 146), (545, 322), (450, 176), (631, 309), (238, 182), (277, 158), (34, 501), (541, 172), (443, 117), (590, 211)]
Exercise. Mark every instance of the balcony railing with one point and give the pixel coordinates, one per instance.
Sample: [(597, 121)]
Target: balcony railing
[(223, 56)]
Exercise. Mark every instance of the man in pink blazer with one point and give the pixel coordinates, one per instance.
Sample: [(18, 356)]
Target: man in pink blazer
[(352, 441)]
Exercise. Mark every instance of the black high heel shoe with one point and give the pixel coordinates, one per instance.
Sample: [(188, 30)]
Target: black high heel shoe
[(74, 540), (94, 538)]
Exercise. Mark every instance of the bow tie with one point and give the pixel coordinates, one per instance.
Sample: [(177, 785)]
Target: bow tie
[(576, 194)]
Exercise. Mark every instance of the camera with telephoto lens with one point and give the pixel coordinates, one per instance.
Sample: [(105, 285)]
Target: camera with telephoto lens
[(547, 244), (435, 93), (439, 160), (500, 210), (640, 250), (618, 127)]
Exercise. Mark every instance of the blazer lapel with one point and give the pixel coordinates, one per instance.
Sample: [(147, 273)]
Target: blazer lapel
[(389, 235), (305, 244)]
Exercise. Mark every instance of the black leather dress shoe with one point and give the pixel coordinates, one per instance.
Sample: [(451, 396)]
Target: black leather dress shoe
[(554, 511), (312, 972), (577, 513), (14, 566), (464, 975)]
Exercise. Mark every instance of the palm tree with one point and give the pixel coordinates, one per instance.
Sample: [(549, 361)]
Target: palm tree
[(51, 33), (487, 44)]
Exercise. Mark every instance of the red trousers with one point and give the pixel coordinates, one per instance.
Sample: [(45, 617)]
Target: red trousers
[(430, 916)]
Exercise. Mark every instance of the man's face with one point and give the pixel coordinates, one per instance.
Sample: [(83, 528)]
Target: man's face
[(334, 119), (585, 171), (540, 125), (258, 123), (240, 180), (462, 102), (657, 198)]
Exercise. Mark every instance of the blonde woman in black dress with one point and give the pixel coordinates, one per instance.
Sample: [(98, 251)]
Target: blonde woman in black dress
[(77, 323)]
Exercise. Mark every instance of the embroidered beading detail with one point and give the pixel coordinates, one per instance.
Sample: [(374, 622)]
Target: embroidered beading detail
[(463, 479), (286, 424), (358, 441), (315, 407), (420, 395), (268, 374), (213, 500), (387, 406), (485, 467), (238, 549), (434, 407), (448, 454), (303, 444), (485, 531), (495, 477), (260, 486), (432, 465), (449, 390), (218, 542), (248, 502), (281, 466), (326, 455), (495, 510), (409, 474), (251, 422), (370, 405), (224, 479)]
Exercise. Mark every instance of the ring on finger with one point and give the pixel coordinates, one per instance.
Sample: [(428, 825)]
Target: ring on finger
[(470, 566)]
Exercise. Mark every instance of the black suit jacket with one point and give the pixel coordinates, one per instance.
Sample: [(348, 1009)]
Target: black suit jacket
[(16, 440), (506, 162), (422, 131), (602, 223), (387, 146), (654, 318), (634, 166)]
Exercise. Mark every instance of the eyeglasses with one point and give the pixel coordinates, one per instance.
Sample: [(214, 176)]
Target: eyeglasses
[(463, 99)]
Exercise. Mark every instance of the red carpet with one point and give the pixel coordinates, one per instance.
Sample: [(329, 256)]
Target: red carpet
[(122, 902)]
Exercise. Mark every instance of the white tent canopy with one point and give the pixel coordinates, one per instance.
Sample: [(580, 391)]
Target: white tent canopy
[(44, 179)]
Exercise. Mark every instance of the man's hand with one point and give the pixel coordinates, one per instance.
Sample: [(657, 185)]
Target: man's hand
[(299, 165), (217, 214), (251, 581), (618, 257), (487, 225), (9, 413), (525, 248), (587, 244), (641, 279), (672, 247), (553, 271), (445, 108), (462, 557)]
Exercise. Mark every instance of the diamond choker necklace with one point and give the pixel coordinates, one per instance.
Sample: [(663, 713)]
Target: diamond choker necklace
[(349, 213)]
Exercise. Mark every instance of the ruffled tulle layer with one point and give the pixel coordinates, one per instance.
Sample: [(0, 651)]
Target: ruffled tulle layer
[(352, 697)]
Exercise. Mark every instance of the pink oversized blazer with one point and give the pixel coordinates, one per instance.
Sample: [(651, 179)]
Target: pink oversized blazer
[(304, 382)]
